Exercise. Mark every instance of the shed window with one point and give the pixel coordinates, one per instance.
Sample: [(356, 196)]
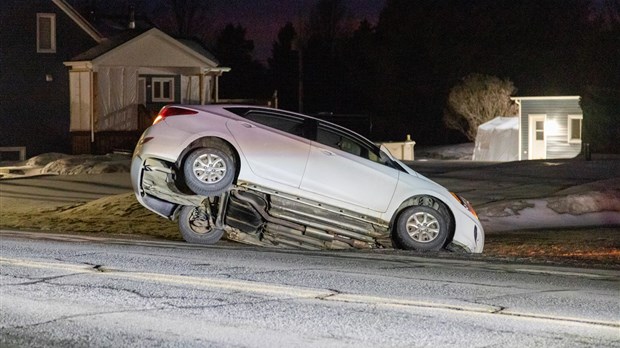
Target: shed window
[(574, 128), (46, 33), (163, 89), (540, 130)]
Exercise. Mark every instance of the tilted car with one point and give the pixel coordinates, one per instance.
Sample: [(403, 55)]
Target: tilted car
[(269, 177)]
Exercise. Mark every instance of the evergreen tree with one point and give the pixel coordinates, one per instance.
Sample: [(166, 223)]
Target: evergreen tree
[(284, 67), (247, 78)]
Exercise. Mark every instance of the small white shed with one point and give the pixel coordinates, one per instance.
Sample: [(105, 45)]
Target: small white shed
[(498, 140)]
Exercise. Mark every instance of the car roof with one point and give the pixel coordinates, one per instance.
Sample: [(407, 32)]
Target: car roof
[(224, 110)]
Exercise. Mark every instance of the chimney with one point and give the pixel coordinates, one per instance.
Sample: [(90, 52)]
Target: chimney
[(132, 18)]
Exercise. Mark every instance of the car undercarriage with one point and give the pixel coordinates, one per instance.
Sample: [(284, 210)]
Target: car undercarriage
[(256, 215)]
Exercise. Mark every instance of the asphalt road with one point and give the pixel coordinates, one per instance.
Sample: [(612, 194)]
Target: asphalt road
[(64, 290)]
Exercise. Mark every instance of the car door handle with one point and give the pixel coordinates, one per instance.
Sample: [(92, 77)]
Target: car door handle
[(246, 125), (328, 153)]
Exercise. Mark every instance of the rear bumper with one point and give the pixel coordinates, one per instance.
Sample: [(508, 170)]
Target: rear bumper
[(154, 204)]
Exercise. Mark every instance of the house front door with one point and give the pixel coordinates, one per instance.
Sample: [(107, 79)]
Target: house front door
[(537, 137), (142, 91)]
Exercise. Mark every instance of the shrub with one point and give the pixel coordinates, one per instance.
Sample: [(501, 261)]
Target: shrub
[(477, 99)]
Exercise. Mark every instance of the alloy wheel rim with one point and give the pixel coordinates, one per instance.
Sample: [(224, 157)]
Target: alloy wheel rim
[(209, 168), (423, 227)]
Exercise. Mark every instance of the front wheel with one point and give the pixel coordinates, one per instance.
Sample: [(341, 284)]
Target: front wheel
[(197, 227), (422, 228)]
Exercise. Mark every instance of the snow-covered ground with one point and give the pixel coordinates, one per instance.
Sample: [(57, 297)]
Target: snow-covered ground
[(61, 164), (507, 196)]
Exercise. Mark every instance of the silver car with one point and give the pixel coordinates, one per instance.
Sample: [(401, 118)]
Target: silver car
[(269, 177)]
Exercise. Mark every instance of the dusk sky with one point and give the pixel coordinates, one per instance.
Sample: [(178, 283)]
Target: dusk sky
[(263, 19)]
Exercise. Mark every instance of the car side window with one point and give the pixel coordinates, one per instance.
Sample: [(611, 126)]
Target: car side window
[(342, 141), (285, 124)]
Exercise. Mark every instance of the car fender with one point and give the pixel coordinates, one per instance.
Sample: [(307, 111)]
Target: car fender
[(468, 232)]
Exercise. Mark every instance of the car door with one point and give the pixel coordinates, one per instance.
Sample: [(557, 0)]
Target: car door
[(273, 146), (344, 167)]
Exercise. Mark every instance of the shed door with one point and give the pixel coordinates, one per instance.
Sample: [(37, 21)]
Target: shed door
[(538, 137)]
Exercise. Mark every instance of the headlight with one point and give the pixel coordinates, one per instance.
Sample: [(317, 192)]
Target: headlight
[(465, 203)]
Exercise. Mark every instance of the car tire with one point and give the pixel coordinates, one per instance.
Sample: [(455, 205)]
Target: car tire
[(209, 171), (422, 228), (195, 227)]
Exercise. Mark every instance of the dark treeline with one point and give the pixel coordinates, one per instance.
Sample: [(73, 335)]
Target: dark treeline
[(400, 70)]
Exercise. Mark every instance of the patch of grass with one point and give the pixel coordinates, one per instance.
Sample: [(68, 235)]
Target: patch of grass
[(119, 214), (587, 245)]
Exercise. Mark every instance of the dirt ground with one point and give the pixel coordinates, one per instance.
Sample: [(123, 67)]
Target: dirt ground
[(597, 247)]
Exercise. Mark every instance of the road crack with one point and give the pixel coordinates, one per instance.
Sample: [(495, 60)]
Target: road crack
[(33, 281)]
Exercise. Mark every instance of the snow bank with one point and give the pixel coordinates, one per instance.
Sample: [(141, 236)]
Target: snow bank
[(595, 208), (540, 216), (88, 164), (591, 202), (62, 164), (44, 159)]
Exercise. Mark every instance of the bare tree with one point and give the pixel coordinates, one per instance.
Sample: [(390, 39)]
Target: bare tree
[(187, 18), (326, 22), (477, 99)]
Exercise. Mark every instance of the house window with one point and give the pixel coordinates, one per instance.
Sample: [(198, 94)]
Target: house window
[(163, 89), (574, 128), (46, 33)]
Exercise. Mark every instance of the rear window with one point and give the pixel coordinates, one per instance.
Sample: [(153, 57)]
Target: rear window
[(285, 124), (289, 123)]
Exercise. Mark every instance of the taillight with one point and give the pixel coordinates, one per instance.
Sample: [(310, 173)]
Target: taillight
[(168, 111)]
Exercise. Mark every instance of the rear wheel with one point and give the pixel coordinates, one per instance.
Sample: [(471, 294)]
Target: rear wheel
[(197, 227), (209, 171), (422, 228)]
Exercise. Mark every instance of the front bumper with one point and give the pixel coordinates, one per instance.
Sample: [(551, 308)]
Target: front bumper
[(469, 234)]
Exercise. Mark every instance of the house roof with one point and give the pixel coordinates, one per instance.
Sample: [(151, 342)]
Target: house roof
[(565, 97), (103, 20), (130, 35), (111, 32), (79, 20), (196, 46), (152, 47), (107, 45)]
